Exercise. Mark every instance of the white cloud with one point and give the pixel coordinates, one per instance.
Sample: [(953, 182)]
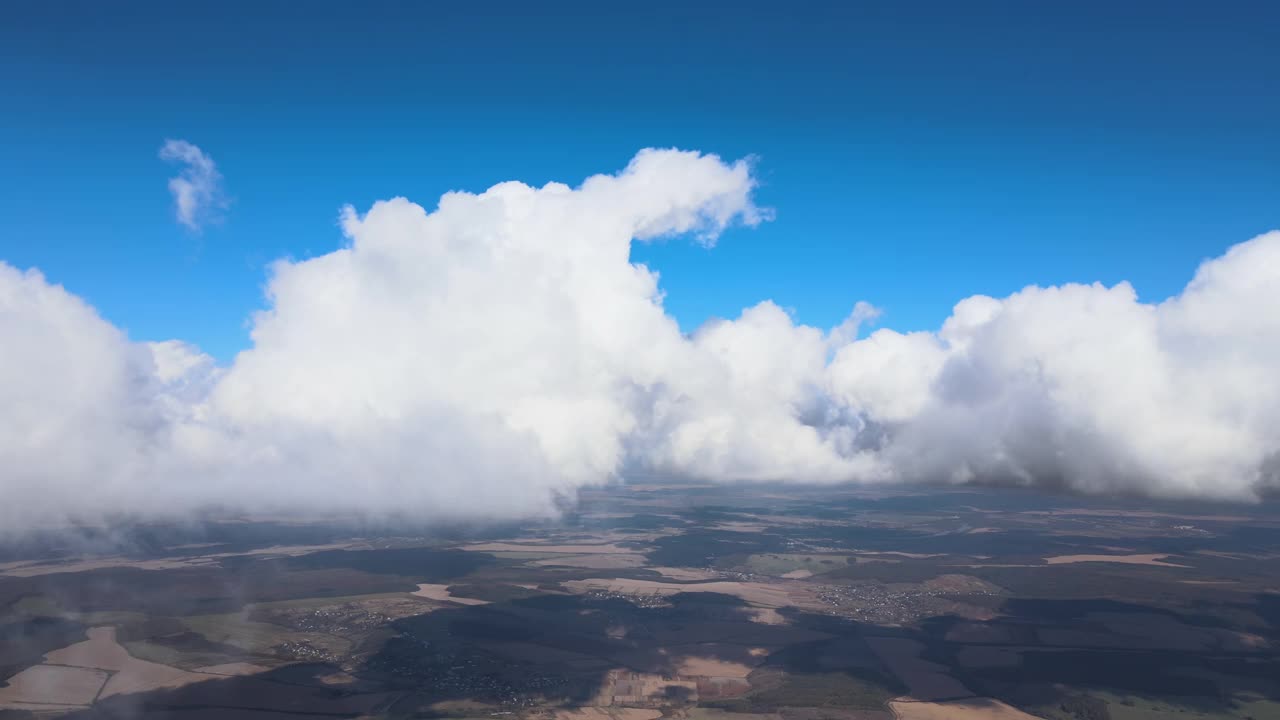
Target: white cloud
[(197, 189), (84, 413), (1086, 387), (491, 356)]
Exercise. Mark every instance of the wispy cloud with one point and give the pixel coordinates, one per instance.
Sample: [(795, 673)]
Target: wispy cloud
[(197, 189)]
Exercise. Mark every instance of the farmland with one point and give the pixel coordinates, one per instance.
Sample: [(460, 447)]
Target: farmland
[(678, 601)]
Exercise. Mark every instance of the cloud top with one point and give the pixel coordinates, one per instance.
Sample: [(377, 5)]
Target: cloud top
[(487, 358)]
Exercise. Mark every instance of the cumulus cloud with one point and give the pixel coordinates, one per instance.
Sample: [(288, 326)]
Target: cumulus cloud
[(489, 357), (85, 413), (197, 189)]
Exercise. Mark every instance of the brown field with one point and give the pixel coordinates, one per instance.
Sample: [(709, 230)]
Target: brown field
[(53, 685), (972, 709), (232, 669), (712, 667), (767, 616), (101, 651), (925, 680), (95, 668), (441, 592), (607, 713), (626, 687), (778, 636), (101, 655), (1147, 559)]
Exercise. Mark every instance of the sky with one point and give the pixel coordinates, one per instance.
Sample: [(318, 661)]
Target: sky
[(913, 154), (400, 258)]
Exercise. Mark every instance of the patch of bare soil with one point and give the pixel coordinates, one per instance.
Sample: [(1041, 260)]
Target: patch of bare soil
[(1146, 559), (76, 674), (767, 616), (52, 685), (971, 709), (607, 713), (102, 655), (441, 592), (131, 674), (712, 667), (232, 669), (625, 687)]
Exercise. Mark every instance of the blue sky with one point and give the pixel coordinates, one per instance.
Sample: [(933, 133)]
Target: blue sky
[(914, 155)]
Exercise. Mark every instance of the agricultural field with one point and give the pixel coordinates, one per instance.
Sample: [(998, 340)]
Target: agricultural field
[(662, 601)]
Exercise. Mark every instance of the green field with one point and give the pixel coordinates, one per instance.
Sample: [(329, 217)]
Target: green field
[(1121, 706)]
